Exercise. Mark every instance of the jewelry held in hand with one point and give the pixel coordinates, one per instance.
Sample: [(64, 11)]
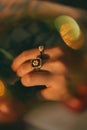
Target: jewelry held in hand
[(37, 62)]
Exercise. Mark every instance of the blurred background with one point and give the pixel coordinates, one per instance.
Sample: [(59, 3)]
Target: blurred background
[(20, 108)]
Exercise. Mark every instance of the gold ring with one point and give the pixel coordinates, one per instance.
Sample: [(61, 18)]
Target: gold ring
[(37, 62)]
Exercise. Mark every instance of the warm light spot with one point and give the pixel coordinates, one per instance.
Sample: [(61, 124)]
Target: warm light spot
[(70, 31), (67, 31), (70, 38), (3, 108), (2, 88)]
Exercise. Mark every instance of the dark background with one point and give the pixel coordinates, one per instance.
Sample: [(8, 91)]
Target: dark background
[(75, 3)]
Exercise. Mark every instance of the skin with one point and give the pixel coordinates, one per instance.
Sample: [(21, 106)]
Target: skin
[(12, 10), (54, 73)]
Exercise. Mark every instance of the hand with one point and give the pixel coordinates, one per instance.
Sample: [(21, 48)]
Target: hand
[(53, 74)]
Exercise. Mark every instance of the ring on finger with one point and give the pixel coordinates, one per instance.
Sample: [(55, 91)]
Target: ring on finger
[(37, 62)]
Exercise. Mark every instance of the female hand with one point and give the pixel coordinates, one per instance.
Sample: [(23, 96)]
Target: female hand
[(53, 73), (61, 69)]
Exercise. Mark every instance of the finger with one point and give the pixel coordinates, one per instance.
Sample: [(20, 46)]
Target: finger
[(53, 67), (27, 68), (36, 78), (31, 54), (55, 88)]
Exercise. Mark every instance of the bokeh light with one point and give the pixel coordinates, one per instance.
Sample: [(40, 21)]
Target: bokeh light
[(2, 88), (70, 31)]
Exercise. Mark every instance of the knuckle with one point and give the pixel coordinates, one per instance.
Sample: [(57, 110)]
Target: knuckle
[(20, 71)]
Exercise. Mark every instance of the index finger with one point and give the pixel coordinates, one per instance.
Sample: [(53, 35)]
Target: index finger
[(32, 54)]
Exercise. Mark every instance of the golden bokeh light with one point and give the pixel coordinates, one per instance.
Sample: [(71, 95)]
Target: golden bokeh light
[(2, 88), (70, 38), (70, 31)]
